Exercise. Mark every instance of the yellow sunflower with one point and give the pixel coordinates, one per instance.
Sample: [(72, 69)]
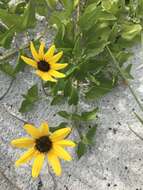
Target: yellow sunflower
[(44, 144), (46, 63)]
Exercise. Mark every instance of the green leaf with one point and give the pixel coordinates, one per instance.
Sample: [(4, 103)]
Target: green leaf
[(88, 116), (28, 19), (57, 100), (127, 72), (9, 19), (131, 31), (19, 8), (92, 15), (6, 38), (98, 48), (81, 149), (3, 28), (51, 3), (96, 92), (91, 134), (30, 99), (76, 2), (68, 88), (68, 5), (8, 69), (73, 99), (64, 114), (42, 7), (19, 64)]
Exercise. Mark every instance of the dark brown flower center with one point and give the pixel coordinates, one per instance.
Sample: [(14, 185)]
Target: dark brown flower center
[(43, 144), (43, 66)]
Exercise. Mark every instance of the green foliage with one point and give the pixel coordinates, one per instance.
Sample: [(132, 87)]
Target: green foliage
[(84, 116), (16, 23), (130, 31), (28, 19), (29, 99), (97, 91), (86, 141), (81, 149), (7, 68)]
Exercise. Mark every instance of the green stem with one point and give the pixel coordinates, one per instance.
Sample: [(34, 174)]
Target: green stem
[(8, 89), (15, 116), (124, 77), (141, 138), (76, 124), (43, 88)]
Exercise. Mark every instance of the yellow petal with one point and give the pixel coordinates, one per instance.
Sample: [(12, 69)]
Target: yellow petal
[(50, 52), (26, 157), (56, 74), (23, 142), (34, 52), (29, 61), (45, 76), (61, 153), (55, 163), (37, 165), (60, 134), (33, 131), (55, 58), (44, 128), (41, 50), (65, 143), (58, 66)]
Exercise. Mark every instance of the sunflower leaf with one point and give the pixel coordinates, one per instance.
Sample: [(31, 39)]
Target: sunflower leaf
[(9, 19), (19, 64), (130, 31), (7, 37), (58, 99), (28, 19), (7, 69), (74, 97), (88, 116), (30, 99), (81, 149), (98, 91), (64, 114), (90, 134)]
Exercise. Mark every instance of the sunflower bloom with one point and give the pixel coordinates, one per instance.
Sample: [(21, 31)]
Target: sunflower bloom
[(46, 64), (44, 144)]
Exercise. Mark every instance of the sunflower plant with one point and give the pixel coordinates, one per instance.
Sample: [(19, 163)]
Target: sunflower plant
[(84, 60)]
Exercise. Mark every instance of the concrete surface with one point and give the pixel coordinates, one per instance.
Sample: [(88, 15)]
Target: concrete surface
[(115, 162)]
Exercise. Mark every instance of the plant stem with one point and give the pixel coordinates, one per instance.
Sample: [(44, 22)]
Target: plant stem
[(8, 89), (141, 138), (40, 184), (75, 124), (124, 77), (43, 88), (15, 116), (53, 178)]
